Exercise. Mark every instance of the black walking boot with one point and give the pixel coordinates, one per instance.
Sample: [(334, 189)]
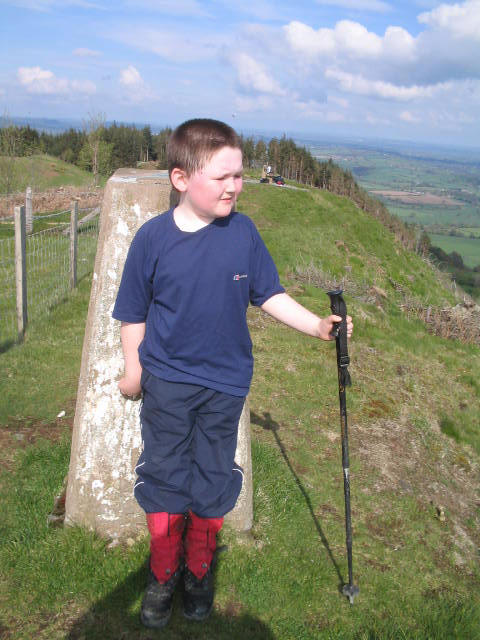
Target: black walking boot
[(198, 595), (157, 600)]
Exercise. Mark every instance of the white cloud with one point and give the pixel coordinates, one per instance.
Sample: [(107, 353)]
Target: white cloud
[(37, 80), (461, 20), (42, 81), (357, 84), (252, 75), (136, 89), (358, 5), (398, 44), (130, 77), (83, 52), (349, 39), (354, 38), (305, 40)]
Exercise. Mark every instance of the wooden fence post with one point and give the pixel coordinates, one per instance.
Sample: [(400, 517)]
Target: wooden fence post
[(29, 210), (73, 244), (21, 270)]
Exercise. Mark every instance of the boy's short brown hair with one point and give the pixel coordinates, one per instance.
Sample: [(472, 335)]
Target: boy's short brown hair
[(194, 142)]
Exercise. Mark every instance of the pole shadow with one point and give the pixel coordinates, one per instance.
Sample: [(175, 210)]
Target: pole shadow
[(117, 617), (269, 424)]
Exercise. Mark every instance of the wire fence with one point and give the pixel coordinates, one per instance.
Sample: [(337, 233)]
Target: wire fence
[(47, 267)]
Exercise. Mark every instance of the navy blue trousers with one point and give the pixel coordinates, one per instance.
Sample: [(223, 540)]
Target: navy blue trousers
[(189, 438)]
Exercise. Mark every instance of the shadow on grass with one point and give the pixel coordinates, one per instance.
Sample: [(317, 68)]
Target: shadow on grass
[(269, 424), (6, 345), (117, 617)]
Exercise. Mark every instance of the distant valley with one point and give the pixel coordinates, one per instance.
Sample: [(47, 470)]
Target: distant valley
[(433, 187)]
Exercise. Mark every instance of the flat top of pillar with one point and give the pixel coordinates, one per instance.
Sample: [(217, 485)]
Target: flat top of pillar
[(140, 175)]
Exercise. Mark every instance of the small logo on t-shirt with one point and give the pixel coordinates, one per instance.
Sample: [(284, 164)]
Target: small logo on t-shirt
[(238, 276)]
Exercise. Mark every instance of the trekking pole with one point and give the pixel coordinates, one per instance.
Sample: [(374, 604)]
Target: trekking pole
[(339, 332)]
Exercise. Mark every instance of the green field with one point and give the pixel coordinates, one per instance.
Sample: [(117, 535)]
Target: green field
[(430, 216), (468, 248), (415, 454), (43, 172)]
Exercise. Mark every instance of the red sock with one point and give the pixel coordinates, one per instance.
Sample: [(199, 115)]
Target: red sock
[(201, 542), (166, 547)]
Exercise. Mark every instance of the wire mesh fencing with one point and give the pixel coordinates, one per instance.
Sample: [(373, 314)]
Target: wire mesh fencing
[(48, 269), (8, 320)]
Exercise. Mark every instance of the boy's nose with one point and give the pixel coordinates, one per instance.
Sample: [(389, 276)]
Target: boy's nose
[(230, 185)]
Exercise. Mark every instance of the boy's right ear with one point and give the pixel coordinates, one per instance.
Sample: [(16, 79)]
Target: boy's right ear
[(179, 179)]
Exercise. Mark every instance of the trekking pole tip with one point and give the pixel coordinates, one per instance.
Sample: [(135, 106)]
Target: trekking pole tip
[(350, 590)]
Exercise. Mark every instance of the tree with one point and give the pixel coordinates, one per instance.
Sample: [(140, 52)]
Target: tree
[(161, 143), (9, 150), (147, 144), (103, 159), (96, 153), (248, 148), (260, 153)]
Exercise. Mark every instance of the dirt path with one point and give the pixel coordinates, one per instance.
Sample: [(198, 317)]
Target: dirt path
[(53, 199)]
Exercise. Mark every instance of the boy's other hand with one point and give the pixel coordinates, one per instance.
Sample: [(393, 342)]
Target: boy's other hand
[(325, 327), (130, 387)]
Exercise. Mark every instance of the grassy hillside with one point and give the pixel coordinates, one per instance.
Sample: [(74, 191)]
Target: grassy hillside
[(43, 172), (415, 446), (443, 173)]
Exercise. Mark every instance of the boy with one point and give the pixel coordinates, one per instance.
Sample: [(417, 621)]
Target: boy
[(188, 279)]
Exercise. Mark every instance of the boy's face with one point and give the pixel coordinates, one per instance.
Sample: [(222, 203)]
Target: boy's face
[(211, 192)]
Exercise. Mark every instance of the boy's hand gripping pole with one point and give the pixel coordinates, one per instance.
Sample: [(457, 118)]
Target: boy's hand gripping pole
[(339, 308)]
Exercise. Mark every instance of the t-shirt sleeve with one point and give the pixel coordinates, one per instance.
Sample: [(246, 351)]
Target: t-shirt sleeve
[(135, 292), (264, 280)]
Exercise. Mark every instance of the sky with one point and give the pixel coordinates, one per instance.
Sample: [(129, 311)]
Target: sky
[(362, 68)]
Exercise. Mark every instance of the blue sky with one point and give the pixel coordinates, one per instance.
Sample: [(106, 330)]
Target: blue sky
[(367, 68)]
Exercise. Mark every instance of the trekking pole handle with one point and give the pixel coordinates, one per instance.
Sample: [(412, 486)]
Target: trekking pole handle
[(335, 306), (339, 332)]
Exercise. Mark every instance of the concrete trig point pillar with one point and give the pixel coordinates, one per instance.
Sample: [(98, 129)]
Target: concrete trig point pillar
[(106, 433)]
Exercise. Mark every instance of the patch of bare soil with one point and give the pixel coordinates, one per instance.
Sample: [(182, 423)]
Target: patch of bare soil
[(53, 199), (418, 197), (18, 434)]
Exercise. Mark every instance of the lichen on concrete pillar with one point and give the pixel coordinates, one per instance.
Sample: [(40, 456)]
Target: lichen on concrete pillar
[(106, 439)]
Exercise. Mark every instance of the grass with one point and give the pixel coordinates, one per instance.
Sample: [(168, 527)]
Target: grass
[(41, 171), (40, 223), (28, 392), (418, 575), (48, 270)]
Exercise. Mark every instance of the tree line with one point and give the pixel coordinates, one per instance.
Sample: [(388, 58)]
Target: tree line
[(102, 149)]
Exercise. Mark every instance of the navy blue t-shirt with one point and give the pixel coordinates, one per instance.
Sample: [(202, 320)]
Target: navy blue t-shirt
[(192, 289)]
